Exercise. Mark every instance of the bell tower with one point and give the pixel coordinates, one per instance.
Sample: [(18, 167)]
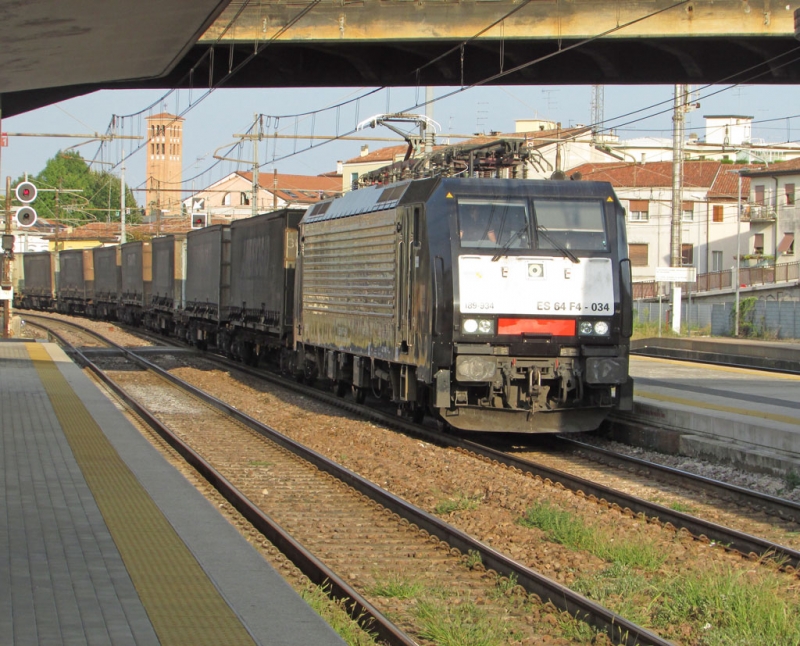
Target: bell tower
[(164, 163)]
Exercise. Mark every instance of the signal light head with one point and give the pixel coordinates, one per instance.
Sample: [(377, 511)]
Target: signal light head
[(26, 216), (26, 192)]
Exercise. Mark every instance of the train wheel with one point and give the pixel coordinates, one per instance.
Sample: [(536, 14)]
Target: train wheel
[(417, 413), (359, 394)]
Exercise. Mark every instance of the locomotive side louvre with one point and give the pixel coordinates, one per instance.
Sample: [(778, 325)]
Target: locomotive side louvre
[(137, 276), (364, 286), (40, 269), (107, 281), (75, 292), (363, 297), (349, 285)]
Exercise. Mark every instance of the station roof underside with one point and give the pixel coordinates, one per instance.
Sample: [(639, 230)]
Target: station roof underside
[(53, 50)]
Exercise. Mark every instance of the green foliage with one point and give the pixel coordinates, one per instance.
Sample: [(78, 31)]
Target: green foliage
[(397, 587), (83, 195), (463, 624), (792, 480), (336, 614), (747, 317), (564, 527), (730, 607), (461, 502)]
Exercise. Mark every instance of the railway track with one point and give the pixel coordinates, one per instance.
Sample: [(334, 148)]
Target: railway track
[(358, 529), (748, 522)]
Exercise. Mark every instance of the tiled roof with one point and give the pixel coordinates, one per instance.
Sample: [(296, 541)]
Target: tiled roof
[(304, 189), (110, 232), (787, 167), (727, 182), (166, 115), (387, 154), (696, 174)]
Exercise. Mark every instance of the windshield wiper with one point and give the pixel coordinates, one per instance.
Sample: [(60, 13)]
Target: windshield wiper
[(507, 245), (543, 231)]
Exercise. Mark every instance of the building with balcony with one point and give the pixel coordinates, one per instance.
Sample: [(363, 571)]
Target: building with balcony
[(709, 205), (773, 213)]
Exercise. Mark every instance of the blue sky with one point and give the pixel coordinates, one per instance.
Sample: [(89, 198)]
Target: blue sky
[(213, 122)]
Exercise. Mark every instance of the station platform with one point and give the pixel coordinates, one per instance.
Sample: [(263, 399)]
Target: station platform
[(102, 541), (744, 416)]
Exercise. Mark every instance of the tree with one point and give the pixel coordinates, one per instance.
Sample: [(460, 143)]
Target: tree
[(83, 195)]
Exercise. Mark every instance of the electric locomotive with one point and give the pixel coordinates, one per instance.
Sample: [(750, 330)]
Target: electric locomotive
[(495, 304)]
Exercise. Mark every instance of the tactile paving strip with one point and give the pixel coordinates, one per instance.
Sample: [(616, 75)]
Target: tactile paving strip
[(181, 601)]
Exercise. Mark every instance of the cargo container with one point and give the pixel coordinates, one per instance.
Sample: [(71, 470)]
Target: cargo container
[(107, 282), (40, 271), (137, 276), (75, 290), (207, 285), (263, 257), (167, 287)]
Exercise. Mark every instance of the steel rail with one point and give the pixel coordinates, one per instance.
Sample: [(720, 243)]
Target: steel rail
[(729, 538), (617, 627), (369, 617), (780, 506)]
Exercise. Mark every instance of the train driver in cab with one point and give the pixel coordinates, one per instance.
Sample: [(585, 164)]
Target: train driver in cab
[(473, 225)]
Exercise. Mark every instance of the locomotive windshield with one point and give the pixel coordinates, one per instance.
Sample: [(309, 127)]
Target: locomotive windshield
[(494, 224), (571, 224), (506, 224)]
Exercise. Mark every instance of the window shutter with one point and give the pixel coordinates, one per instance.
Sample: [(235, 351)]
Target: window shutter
[(638, 254)]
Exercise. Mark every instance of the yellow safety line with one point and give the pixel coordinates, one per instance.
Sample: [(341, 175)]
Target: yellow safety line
[(694, 403), (183, 605)]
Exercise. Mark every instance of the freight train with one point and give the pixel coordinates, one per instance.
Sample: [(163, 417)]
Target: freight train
[(490, 304)]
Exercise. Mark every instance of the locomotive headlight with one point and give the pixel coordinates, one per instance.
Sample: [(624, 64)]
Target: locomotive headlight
[(601, 328), (478, 326), (470, 326), (593, 328)]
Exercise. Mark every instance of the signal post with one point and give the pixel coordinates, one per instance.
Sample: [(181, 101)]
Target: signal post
[(6, 289), (26, 216)]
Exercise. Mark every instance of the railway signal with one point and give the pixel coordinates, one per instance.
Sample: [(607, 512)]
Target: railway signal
[(199, 220), (26, 193)]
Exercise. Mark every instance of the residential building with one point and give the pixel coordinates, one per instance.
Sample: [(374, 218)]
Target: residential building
[(773, 213), (708, 212), (230, 197)]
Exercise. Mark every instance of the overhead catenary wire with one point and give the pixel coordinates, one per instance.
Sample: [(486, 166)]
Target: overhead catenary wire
[(275, 157)]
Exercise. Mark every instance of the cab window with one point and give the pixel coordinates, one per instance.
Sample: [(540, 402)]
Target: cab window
[(493, 224)]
